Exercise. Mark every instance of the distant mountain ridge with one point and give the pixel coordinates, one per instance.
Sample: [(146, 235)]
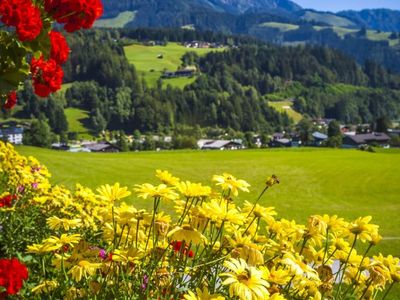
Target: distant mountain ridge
[(113, 7), (242, 6), (379, 19), (225, 14)]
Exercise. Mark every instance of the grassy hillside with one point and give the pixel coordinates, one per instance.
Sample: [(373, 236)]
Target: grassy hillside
[(372, 35), (147, 63), (340, 30), (283, 27), (286, 106), (327, 18), (348, 183), (77, 121), (119, 21)]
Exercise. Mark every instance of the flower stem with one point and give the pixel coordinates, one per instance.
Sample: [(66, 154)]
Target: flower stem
[(326, 244), (156, 202), (258, 199), (344, 267), (252, 221), (358, 274), (387, 291)]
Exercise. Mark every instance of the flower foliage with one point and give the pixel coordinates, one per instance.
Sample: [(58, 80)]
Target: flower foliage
[(29, 46), (92, 244)]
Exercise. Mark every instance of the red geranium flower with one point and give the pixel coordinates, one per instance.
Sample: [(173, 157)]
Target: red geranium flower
[(59, 47), (177, 245), (47, 76), (12, 275), (11, 100), (6, 200), (75, 14), (24, 16)]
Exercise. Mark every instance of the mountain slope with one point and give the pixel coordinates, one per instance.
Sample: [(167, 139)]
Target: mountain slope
[(208, 13), (188, 7), (241, 6), (113, 7), (379, 19)]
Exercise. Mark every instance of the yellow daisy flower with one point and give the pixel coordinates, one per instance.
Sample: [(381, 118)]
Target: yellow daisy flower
[(202, 295), (363, 229), (229, 182), (54, 243), (219, 212), (245, 282), (188, 234), (166, 177), (265, 213), (83, 269), (147, 190), (45, 287), (190, 190), (56, 223), (112, 193)]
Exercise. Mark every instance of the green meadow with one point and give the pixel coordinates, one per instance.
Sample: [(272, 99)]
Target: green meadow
[(286, 106), (78, 122), (283, 27), (338, 25), (349, 183), (148, 61), (119, 21), (327, 18)]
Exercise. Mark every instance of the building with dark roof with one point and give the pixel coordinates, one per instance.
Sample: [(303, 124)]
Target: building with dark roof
[(394, 132), (355, 141), (221, 145), (179, 73), (102, 147), (319, 138), (278, 143)]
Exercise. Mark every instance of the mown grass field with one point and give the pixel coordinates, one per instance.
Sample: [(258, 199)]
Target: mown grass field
[(348, 183), (283, 27), (77, 121), (286, 106), (340, 30), (327, 18), (119, 21), (147, 63)]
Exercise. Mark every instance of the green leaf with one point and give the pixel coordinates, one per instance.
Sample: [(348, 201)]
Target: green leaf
[(40, 44), (10, 80)]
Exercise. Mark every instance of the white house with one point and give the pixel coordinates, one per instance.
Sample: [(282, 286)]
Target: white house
[(220, 145), (13, 135)]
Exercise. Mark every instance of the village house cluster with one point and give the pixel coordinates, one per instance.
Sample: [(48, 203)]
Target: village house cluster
[(353, 136), (200, 44)]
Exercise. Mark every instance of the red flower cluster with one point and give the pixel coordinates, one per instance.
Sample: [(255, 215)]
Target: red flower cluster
[(75, 14), (47, 76), (12, 275), (6, 201), (24, 16), (182, 248), (59, 47), (11, 100)]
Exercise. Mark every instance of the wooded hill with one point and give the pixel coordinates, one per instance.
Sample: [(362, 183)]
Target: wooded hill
[(232, 91)]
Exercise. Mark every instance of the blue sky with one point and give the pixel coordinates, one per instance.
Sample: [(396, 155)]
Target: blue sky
[(337, 5)]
